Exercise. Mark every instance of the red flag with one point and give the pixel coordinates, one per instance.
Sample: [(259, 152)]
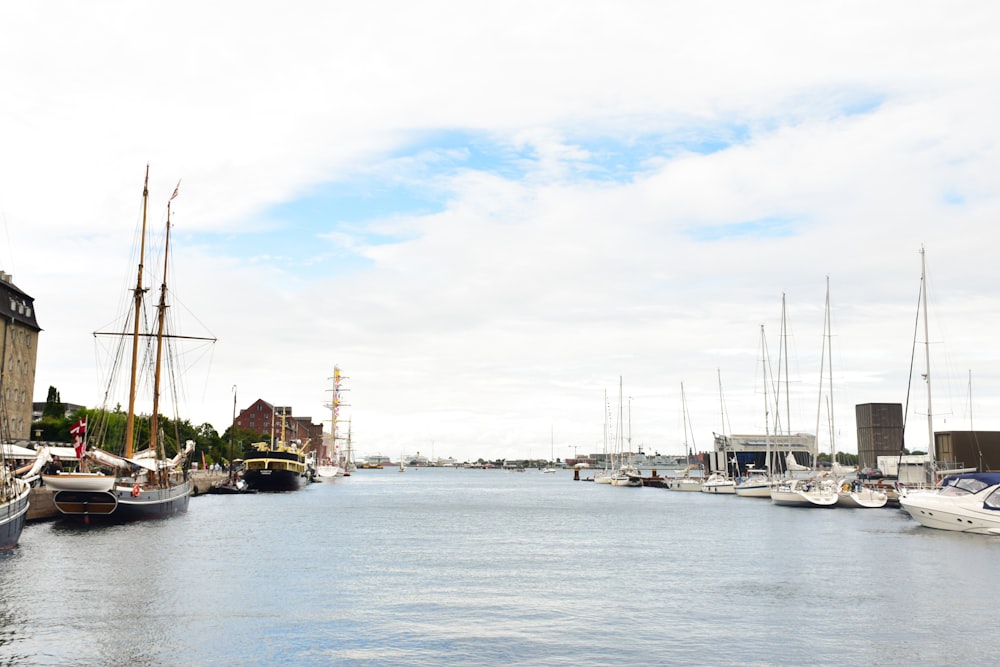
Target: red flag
[(176, 190), (79, 433)]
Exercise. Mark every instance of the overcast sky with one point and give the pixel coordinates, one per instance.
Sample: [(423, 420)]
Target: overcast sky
[(487, 213)]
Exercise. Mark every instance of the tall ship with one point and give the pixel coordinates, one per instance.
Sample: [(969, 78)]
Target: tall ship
[(13, 505), (116, 481), (335, 463)]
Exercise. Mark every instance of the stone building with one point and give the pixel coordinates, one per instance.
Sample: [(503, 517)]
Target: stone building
[(18, 353)]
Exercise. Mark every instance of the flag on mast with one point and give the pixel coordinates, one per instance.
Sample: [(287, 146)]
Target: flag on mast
[(79, 433)]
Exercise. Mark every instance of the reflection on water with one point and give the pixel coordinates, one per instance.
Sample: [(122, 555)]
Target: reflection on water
[(488, 567)]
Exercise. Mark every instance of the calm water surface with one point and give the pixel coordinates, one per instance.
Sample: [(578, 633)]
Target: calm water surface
[(485, 567)]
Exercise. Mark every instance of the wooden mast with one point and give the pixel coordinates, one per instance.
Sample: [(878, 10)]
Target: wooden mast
[(154, 422), (137, 295)]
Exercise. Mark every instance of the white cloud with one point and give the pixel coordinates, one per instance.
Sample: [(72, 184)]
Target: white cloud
[(860, 131)]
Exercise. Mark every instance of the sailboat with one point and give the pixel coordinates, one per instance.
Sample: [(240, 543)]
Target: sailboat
[(790, 490), (329, 469), (143, 484), (627, 473), (549, 469), (685, 482), (610, 458), (233, 483), (13, 500), (721, 482), (850, 493), (756, 483)]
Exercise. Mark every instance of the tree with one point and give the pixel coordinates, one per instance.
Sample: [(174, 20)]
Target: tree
[(54, 406)]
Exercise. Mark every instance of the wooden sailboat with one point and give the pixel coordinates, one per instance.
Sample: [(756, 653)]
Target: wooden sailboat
[(145, 483), (13, 498)]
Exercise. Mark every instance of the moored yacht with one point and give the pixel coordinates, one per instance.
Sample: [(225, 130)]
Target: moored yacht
[(804, 493), (967, 503), (718, 483)]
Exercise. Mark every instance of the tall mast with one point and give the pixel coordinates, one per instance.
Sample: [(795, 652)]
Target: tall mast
[(927, 365), (684, 419), (137, 295), (154, 420), (767, 414), (335, 405), (827, 353)]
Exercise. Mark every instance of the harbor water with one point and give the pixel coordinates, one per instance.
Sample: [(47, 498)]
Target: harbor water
[(488, 567)]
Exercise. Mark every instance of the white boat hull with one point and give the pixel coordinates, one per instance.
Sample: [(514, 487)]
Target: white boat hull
[(718, 484), (327, 473), (967, 513), (754, 490), (863, 499), (728, 489), (602, 478), (684, 484), (79, 481), (796, 494)]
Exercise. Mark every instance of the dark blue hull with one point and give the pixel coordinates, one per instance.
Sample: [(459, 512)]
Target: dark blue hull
[(12, 516)]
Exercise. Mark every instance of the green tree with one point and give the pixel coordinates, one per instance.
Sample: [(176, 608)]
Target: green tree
[(54, 406)]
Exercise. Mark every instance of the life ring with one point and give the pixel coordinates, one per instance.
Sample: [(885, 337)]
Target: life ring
[(136, 490)]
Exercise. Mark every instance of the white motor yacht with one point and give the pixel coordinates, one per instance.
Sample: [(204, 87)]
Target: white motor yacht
[(967, 503)]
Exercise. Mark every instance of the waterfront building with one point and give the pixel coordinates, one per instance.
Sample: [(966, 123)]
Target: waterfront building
[(751, 452), (18, 353), (880, 431), (268, 420)]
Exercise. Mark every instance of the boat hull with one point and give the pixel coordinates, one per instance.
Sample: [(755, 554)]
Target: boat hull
[(864, 499), (268, 479), (762, 490), (13, 513), (718, 484), (326, 473), (122, 504), (684, 484), (276, 470), (947, 509), (796, 495)]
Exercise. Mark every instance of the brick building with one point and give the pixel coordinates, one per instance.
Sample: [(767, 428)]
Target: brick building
[(266, 419), (18, 353)]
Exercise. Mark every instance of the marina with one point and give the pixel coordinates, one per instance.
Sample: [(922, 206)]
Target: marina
[(453, 566), (338, 399)]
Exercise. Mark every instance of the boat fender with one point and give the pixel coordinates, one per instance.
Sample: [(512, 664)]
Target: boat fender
[(136, 490)]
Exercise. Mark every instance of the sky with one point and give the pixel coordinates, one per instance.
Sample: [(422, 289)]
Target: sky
[(491, 216)]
